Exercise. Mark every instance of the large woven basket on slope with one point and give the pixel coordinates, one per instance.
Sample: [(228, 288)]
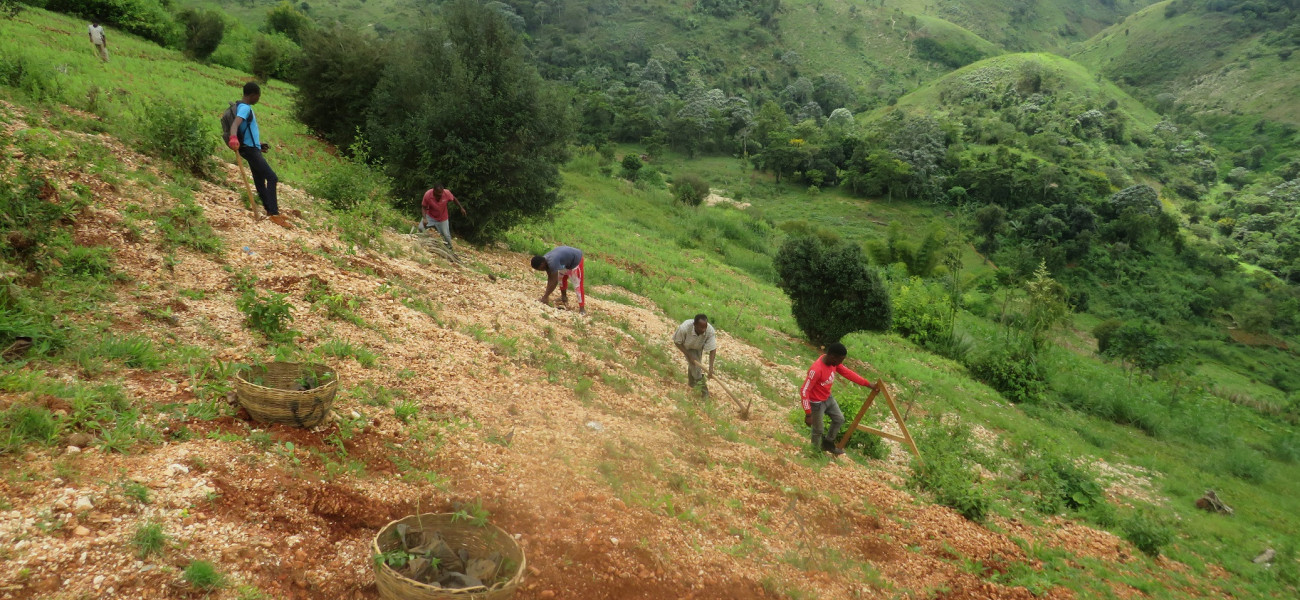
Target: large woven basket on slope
[(270, 392), (480, 541)]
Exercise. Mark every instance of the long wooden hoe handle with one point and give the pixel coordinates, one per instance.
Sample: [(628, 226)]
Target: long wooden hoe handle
[(743, 409), (248, 189)]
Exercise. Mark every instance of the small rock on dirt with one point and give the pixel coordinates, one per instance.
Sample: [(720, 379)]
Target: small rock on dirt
[(175, 469), (547, 594), (594, 426), (80, 440), (74, 450), (81, 531), (83, 503)]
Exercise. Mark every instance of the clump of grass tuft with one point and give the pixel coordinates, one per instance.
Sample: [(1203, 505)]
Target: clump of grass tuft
[(203, 575), (149, 539), (136, 491), (345, 349), (405, 410), (26, 424)]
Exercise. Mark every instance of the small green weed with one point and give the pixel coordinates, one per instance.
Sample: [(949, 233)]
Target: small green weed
[(1149, 533), (345, 349), (135, 491), (406, 409), (271, 314)]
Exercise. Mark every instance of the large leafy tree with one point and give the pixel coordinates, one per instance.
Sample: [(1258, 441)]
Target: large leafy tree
[(461, 104), (340, 68), (832, 293)]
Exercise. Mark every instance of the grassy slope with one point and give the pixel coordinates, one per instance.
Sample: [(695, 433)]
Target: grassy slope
[(140, 73), (628, 230), (1193, 57), (1046, 24)]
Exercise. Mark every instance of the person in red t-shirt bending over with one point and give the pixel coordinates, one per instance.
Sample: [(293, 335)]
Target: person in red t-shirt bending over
[(818, 401), (434, 204)]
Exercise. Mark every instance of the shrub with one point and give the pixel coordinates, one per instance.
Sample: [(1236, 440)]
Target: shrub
[(1147, 532), (35, 79), (275, 56), (1243, 463), (1059, 482), (180, 134), (348, 184), (946, 472), (631, 165), (1012, 370), (203, 31), (690, 189), (1103, 332), (922, 312), (270, 315), (832, 293), (203, 575)]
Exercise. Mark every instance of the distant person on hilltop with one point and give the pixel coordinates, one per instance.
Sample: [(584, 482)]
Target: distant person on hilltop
[(435, 211), (97, 38), (818, 401), (559, 264), (693, 338), (245, 140)]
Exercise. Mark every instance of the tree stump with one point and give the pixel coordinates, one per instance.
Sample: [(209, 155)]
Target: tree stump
[(1210, 502)]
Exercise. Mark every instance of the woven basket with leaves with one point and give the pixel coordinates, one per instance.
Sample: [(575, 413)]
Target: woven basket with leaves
[(289, 393), (478, 539)]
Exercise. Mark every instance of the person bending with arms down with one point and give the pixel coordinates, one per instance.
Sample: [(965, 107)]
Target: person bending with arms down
[(560, 264), (693, 338), (818, 401)]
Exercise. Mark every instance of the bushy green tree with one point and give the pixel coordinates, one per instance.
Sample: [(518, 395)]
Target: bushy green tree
[(287, 20), (203, 31), (276, 56), (461, 103), (832, 293), (690, 189), (339, 70)]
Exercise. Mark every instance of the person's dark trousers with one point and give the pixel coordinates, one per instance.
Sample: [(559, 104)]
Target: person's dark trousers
[(825, 408), (264, 178)]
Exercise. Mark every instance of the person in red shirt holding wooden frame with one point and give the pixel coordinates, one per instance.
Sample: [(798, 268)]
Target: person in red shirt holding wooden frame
[(818, 402)]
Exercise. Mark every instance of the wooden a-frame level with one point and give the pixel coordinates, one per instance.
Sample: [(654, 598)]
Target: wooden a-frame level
[(906, 438)]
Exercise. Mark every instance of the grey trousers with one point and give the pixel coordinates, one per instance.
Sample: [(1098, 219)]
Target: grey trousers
[(826, 408), (443, 227), (695, 373)]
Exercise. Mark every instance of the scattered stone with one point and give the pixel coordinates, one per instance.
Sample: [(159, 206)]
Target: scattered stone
[(80, 440), (73, 450), (99, 581), (547, 594), (175, 469), (1265, 557), (594, 426), (83, 504), (81, 531)]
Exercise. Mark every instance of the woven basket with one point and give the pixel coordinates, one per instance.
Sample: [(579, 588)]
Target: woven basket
[(273, 399), (479, 541)]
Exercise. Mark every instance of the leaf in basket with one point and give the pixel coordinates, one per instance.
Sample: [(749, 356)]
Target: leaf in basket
[(416, 569), (483, 569), (401, 533), (456, 580)]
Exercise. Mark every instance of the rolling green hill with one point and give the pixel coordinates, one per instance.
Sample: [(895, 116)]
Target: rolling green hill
[(1190, 56), (1026, 26)]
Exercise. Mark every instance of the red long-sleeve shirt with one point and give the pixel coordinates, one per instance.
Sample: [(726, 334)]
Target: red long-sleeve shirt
[(817, 385)]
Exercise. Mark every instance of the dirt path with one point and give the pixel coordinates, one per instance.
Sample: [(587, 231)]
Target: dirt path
[(617, 484)]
